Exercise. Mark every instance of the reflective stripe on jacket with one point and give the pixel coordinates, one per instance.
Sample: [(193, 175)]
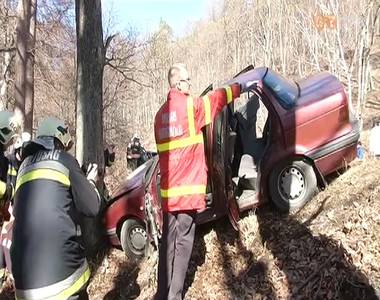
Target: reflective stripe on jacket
[(47, 252), (13, 166), (60, 290), (179, 141), (12, 170)]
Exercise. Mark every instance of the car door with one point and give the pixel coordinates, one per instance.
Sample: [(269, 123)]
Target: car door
[(218, 142)]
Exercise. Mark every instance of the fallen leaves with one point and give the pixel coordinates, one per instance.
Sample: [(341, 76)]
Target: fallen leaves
[(334, 255)]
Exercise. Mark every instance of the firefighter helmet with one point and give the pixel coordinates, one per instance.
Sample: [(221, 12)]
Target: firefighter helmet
[(9, 126), (53, 127)]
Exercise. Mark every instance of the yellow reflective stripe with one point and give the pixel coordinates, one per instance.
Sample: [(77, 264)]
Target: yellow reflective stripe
[(12, 172), (81, 281), (184, 142), (3, 189), (190, 115), (180, 143), (75, 287), (183, 191), (229, 94), (43, 174), (207, 106)]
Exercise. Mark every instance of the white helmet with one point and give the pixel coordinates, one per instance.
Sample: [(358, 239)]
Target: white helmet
[(53, 127), (9, 126)]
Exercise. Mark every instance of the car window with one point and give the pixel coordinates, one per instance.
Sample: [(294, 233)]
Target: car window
[(286, 91), (141, 169), (150, 168)]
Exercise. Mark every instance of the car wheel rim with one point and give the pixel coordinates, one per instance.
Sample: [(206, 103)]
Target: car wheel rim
[(291, 184), (138, 238)]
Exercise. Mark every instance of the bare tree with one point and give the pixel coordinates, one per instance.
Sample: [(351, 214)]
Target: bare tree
[(7, 52), (20, 63), (24, 85), (90, 64), (29, 76)]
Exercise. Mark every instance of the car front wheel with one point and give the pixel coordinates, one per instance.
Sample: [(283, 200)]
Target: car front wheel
[(133, 238), (292, 184)]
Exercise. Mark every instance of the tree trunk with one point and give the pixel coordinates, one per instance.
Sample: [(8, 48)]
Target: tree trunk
[(20, 60), (90, 58), (29, 84), (24, 62), (8, 56), (5, 80), (89, 103)]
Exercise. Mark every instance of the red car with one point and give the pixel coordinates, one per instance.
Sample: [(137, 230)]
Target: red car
[(309, 133)]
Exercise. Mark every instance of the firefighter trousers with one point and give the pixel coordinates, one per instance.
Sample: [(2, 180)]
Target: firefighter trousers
[(174, 256)]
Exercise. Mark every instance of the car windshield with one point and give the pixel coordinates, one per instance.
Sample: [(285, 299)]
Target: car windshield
[(141, 169), (286, 92)]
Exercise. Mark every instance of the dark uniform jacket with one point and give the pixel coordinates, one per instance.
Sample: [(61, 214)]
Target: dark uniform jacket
[(6, 188), (51, 193), (13, 166), (4, 215)]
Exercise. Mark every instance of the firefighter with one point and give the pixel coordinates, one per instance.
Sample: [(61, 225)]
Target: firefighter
[(51, 195), (183, 169), (8, 129), (14, 161)]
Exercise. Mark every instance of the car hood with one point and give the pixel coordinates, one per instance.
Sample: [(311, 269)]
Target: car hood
[(134, 180)]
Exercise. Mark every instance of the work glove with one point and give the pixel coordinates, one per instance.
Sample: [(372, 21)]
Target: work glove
[(92, 172)]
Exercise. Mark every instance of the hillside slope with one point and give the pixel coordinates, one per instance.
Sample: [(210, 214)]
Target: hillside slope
[(329, 250)]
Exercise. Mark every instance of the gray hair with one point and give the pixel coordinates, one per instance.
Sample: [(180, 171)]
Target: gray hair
[(174, 74)]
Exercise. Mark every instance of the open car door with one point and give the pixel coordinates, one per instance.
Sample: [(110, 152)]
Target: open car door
[(217, 137), (223, 148), (227, 143)]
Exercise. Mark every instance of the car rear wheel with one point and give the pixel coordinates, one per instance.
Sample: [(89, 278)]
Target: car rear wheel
[(133, 238), (292, 184)]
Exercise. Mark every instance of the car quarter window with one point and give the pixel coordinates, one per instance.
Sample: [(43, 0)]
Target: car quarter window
[(285, 91)]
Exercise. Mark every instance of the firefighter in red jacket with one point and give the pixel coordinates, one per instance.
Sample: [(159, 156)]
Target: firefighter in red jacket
[(183, 169)]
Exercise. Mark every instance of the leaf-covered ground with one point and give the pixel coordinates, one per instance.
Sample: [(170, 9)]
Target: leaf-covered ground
[(328, 250)]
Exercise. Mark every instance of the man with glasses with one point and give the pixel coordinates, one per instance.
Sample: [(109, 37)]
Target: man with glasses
[(183, 168)]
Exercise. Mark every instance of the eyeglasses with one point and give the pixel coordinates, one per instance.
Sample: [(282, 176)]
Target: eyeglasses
[(187, 80)]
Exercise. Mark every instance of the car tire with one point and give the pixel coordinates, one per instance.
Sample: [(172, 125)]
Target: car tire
[(292, 184), (133, 238)]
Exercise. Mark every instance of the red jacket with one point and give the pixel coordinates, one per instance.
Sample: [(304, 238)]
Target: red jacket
[(179, 141)]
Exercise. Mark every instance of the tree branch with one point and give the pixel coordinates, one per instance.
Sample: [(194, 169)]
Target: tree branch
[(127, 77), (108, 41)]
